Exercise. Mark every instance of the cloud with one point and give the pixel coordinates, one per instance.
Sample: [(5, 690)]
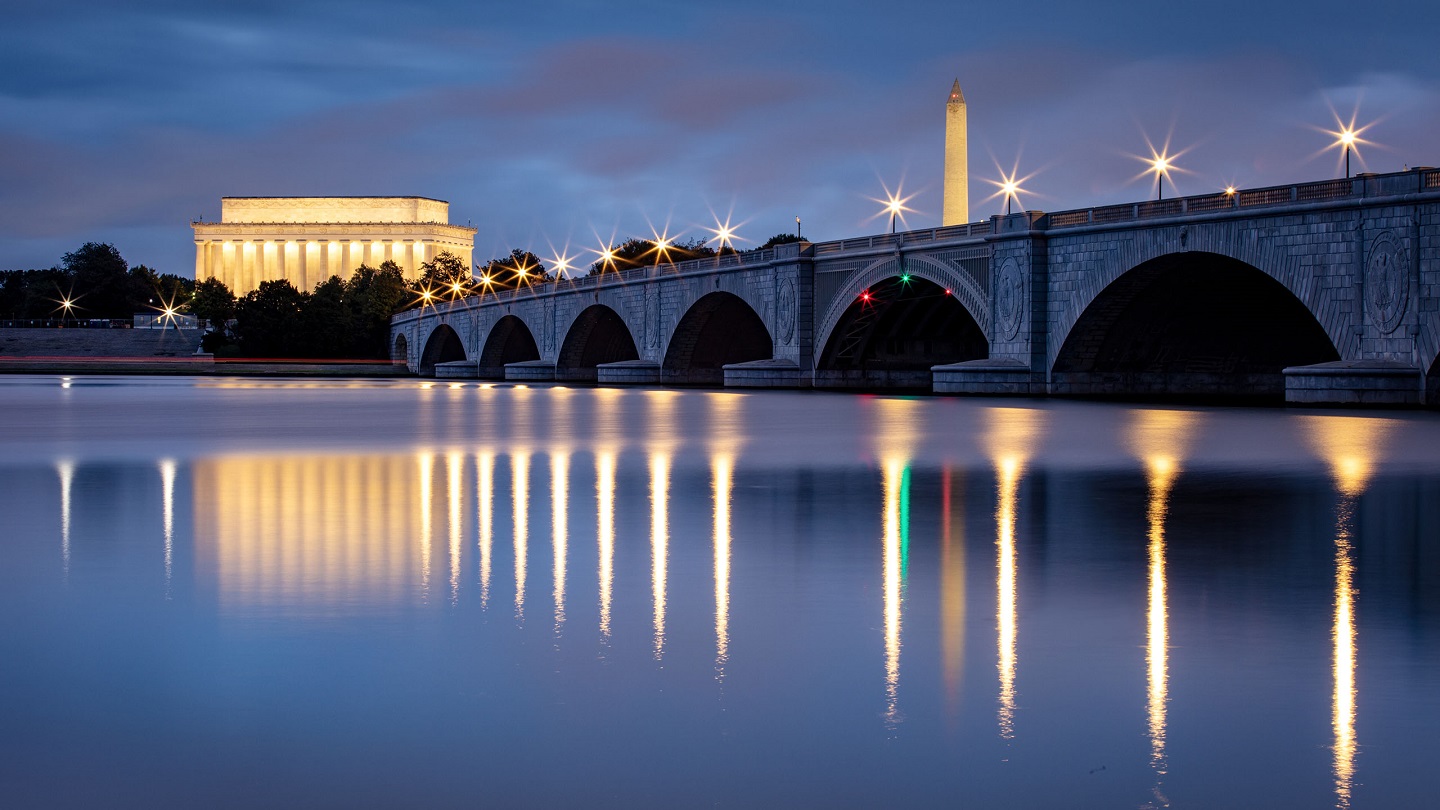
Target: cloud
[(132, 122)]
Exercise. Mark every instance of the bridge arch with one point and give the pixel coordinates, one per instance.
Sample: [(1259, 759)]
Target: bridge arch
[(718, 329), (509, 341), (597, 335), (1189, 323), (896, 319), (974, 299), (1232, 240), (442, 346)]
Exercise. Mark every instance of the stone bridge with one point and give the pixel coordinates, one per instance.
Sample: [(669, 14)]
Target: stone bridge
[(1316, 292)]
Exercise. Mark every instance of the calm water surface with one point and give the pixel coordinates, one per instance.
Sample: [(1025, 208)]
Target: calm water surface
[(374, 594)]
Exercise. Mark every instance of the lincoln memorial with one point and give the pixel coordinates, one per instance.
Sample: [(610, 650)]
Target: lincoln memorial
[(309, 239)]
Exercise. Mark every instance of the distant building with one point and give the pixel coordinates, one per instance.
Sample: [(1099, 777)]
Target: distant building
[(957, 160), (309, 239)]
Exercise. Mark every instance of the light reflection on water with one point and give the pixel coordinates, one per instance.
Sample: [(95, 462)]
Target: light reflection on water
[(732, 551), (1351, 445)]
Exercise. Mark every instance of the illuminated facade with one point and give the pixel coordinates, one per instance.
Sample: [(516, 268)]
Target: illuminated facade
[(308, 239)]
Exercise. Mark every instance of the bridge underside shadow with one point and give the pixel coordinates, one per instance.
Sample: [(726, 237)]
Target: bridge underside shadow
[(443, 346), (1432, 385), (894, 333), (598, 335), (717, 330), (1187, 325), (510, 341)]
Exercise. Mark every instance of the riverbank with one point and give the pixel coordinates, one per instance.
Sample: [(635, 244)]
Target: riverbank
[(157, 351), (201, 365)]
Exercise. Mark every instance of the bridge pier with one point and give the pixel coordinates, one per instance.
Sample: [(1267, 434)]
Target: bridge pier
[(456, 370), (628, 372), (999, 376), (764, 374), (530, 371), (1355, 382)]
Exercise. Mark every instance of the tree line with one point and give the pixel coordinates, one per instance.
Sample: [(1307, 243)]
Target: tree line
[(93, 281), (340, 318)]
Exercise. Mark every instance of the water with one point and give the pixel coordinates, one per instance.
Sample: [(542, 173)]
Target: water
[(375, 594)]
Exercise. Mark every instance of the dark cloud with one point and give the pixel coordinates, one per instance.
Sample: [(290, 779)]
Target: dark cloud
[(126, 121)]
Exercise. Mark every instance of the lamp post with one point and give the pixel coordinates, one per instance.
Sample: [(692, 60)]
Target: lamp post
[(1160, 164), (1008, 188), (1347, 140)]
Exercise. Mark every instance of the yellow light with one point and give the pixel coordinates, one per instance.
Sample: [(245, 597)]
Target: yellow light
[(724, 233), (520, 491), (454, 475), (892, 575), (559, 522), (1008, 469), (562, 265), (1347, 137), (457, 287), (486, 280), (485, 516), (659, 541), (722, 468), (1230, 191), (1161, 164), (605, 532)]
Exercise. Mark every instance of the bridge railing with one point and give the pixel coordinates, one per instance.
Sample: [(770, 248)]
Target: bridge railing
[(1367, 185), (907, 237), (614, 277)]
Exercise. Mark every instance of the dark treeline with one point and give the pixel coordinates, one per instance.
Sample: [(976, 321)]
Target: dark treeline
[(340, 318), (96, 282)]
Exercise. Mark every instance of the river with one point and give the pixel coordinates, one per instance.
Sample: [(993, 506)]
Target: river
[(230, 592)]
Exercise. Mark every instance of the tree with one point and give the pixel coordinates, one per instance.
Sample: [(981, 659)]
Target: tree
[(324, 324), (442, 272), (372, 297), (267, 320), (176, 290), (634, 252), (520, 269), (213, 302), (101, 278), (780, 239), (37, 294)]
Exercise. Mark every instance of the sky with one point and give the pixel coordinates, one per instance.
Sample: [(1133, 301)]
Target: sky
[(555, 124)]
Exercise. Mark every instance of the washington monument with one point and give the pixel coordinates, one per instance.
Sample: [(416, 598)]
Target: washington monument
[(957, 161)]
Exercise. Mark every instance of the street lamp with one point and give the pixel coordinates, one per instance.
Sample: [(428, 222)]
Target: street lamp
[(1347, 140), (894, 205), (1160, 164)]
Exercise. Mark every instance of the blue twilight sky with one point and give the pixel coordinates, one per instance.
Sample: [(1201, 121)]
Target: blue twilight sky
[(550, 122)]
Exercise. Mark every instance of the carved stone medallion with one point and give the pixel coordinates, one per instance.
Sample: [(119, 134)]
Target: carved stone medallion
[(785, 311), (1387, 288), (1009, 298)]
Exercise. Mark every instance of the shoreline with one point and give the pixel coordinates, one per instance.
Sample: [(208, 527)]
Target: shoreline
[(201, 365)]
